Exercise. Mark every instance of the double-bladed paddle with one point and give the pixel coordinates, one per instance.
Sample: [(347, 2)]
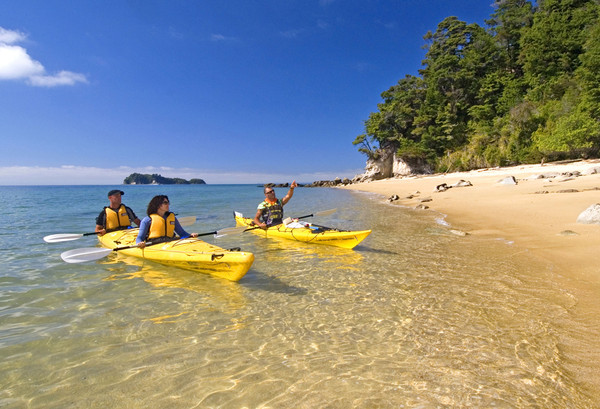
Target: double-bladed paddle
[(321, 213), (187, 220), (57, 238), (94, 253)]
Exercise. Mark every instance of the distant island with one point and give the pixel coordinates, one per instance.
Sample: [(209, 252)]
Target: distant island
[(154, 179)]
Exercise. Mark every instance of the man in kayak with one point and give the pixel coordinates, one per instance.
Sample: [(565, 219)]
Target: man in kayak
[(115, 216), (160, 225), (270, 211)]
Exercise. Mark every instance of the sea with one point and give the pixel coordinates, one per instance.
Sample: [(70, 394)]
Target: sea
[(415, 316)]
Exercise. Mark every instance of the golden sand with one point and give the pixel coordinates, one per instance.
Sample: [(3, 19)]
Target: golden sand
[(537, 214)]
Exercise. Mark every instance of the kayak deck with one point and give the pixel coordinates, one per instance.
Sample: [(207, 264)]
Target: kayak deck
[(190, 254), (308, 234)]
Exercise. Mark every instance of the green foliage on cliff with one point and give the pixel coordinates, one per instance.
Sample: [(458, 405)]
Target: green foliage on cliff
[(525, 88), (145, 179)]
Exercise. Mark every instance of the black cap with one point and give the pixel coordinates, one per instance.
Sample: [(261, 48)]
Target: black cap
[(115, 191)]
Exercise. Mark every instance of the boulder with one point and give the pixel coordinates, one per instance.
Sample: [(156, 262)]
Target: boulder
[(591, 215), (441, 188), (462, 183), (509, 180), (592, 171), (548, 175)]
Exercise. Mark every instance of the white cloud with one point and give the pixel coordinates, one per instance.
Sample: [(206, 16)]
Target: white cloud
[(16, 64), (300, 32), (292, 33), (82, 175), (176, 34), (221, 37), (10, 36), (62, 78)]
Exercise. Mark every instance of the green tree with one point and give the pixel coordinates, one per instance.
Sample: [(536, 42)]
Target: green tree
[(588, 74), (576, 134), (391, 127), (527, 87), (507, 23), (551, 47), (459, 56)]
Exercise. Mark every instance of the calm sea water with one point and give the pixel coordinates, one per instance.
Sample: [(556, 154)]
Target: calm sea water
[(414, 317)]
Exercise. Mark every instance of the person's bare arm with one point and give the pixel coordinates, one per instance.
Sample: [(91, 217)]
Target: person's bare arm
[(290, 193)]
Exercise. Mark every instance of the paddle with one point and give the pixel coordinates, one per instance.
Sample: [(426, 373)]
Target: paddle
[(187, 220), (321, 213), (94, 253), (57, 238)]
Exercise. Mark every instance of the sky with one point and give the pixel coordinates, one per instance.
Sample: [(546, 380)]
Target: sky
[(229, 91)]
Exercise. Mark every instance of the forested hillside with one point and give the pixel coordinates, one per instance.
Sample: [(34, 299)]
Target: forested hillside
[(155, 179), (525, 88)]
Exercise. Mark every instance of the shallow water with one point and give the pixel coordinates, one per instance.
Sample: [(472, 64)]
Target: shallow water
[(414, 317)]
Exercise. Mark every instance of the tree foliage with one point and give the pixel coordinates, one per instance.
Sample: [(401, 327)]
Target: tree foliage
[(524, 88)]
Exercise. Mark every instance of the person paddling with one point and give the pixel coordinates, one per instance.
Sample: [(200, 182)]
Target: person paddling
[(115, 216), (160, 225), (270, 211)]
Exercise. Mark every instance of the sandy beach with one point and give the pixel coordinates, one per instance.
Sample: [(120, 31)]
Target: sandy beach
[(537, 214)]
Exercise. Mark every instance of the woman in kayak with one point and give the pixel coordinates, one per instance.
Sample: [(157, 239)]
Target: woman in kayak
[(271, 209), (160, 224)]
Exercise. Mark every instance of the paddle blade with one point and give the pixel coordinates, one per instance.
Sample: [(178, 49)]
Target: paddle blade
[(85, 254), (57, 238), (230, 230), (187, 220), (326, 212)]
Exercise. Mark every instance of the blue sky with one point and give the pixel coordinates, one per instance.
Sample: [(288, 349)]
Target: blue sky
[(234, 91)]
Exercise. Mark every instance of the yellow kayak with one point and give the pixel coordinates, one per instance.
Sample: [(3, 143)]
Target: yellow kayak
[(190, 254), (307, 233)]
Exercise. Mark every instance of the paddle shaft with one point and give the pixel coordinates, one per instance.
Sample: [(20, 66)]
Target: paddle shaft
[(225, 231), (278, 224)]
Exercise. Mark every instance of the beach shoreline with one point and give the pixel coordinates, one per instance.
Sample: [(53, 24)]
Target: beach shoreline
[(538, 214)]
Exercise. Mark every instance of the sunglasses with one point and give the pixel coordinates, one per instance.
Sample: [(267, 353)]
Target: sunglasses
[(165, 202), (268, 192)]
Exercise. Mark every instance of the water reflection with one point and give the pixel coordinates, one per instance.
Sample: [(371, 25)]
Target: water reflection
[(227, 294), (275, 250)]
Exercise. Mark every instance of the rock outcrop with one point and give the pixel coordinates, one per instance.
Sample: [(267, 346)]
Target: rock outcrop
[(387, 165)]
